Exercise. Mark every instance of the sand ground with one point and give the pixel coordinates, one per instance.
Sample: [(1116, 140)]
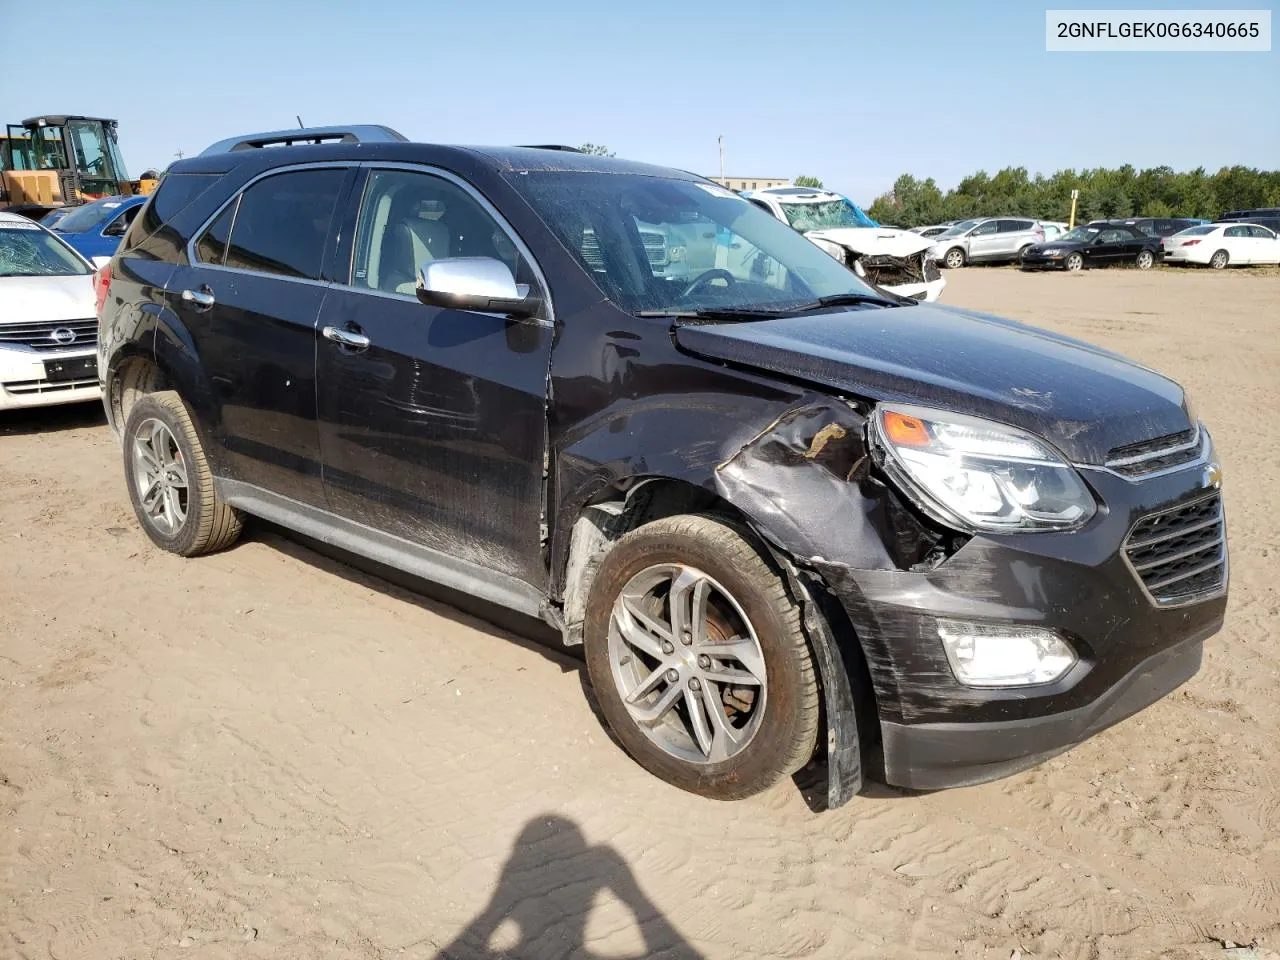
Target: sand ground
[(268, 753)]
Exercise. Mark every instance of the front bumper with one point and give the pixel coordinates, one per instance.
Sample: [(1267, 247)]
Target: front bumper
[(937, 732), (927, 292), (936, 756), (1035, 262), (26, 381)]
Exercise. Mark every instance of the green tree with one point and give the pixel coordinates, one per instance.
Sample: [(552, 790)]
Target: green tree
[(597, 150), (813, 183)]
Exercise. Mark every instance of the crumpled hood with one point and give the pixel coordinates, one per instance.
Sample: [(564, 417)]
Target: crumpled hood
[(46, 299), (874, 240), (1084, 400)]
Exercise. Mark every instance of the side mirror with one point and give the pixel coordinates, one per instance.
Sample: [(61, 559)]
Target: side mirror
[(482, 284), (117, 228)]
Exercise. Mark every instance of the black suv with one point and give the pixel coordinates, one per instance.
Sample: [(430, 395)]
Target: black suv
[(788, 515)]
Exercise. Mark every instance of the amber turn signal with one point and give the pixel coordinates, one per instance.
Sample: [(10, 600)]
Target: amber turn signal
[(905, 431)]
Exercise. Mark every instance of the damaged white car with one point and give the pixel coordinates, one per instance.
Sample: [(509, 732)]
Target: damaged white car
[(895, 260)]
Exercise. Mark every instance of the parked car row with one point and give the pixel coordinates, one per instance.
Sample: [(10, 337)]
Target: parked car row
[(757, 490)]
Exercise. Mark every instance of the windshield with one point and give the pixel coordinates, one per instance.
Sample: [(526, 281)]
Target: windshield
[(30, 251), (1196, 231), (964, 226), (657, 245), (1080, 235), (86, 218), (824, 215)]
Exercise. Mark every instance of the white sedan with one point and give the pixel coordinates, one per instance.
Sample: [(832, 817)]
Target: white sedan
[(48, 319), (1222, 244)]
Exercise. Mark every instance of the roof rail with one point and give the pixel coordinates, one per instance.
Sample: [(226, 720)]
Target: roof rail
[(355, 133), (549, 146)]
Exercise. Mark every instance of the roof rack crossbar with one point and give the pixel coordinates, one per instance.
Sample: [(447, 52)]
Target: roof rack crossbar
[(355, 133)]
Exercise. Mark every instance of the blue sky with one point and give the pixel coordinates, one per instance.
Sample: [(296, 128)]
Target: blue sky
[(854, 93)]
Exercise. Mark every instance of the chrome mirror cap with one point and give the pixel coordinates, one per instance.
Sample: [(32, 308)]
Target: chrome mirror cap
[(473, 283)]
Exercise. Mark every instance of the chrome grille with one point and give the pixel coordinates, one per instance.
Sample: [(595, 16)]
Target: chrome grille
[(1154, 456), (655, 247), (24, 387), (1180, 554), (41, 336)]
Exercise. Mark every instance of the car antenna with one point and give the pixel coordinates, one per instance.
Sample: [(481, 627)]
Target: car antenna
[(301, 125)]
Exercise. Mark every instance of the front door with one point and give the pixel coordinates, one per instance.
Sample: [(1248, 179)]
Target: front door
[(433, 420), (983, 240), (249, 300)]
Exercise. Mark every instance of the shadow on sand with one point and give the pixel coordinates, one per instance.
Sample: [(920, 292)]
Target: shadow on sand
[(546, 892)]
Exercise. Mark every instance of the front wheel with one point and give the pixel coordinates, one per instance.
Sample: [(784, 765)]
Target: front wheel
[(954, 258), (1074, 262), (1146, 260), (698, 660), (1219, 260)]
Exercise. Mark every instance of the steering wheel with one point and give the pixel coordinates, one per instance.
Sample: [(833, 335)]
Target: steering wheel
[(702, 279)]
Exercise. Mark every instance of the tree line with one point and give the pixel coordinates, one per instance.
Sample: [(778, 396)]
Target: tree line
[(1104, 194)]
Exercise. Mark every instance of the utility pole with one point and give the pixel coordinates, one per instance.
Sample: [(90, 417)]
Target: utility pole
[(1075, 195), (178, 154), (720, 139)]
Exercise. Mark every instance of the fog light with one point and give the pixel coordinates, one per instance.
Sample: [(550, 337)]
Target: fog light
[(992, 655)]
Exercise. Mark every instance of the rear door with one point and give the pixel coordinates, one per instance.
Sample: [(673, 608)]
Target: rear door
[(1238, 243), (250, 298), (433, 425)]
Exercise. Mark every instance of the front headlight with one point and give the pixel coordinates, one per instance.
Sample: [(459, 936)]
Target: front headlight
[(974, 474), (1051, 252)]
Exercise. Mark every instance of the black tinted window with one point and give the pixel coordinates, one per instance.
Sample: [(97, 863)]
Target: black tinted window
[(212, 245), (283, 223), (176, 190)]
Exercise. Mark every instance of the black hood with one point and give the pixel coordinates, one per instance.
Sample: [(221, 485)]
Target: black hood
[(1082, 399)]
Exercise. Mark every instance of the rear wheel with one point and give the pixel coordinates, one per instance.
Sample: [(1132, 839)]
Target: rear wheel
[(169, 481), (1074, 262), (1219, 260), (1146, 260), (698, 659), (954, 258)]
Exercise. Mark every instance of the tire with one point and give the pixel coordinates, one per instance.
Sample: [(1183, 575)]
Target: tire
[(1074, 262), (1220, 260), (186, 518), (1146, 260), (955, 258), (1023, 251), (754, 628)]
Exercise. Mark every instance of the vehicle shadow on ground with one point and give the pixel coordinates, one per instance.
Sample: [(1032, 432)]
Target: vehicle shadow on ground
[(69, 416), (528, 632), (545, 894)]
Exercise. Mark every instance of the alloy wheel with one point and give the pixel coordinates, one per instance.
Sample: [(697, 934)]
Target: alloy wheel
[(955, 259), (1075, 261), (687, 663), (1145, 260), (160, 476), (1219, 260)]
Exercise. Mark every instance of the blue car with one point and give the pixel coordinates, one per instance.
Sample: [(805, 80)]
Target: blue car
[(96, 228)]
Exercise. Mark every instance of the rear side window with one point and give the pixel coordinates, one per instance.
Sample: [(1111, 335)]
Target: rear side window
[(212, 245), (1261, 233), (176, 190), (1237, 231), (283, 223)]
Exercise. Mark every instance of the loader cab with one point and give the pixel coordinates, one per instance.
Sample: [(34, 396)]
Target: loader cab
[(62, 160)]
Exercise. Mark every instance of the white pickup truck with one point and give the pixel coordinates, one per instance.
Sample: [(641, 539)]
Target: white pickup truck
[(896, 260)]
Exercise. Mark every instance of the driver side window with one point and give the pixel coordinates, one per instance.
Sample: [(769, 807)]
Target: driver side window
[(983, 229), (408, 218)]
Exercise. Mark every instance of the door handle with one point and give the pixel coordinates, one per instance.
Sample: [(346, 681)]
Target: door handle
[(349, 339), (201, 299)]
